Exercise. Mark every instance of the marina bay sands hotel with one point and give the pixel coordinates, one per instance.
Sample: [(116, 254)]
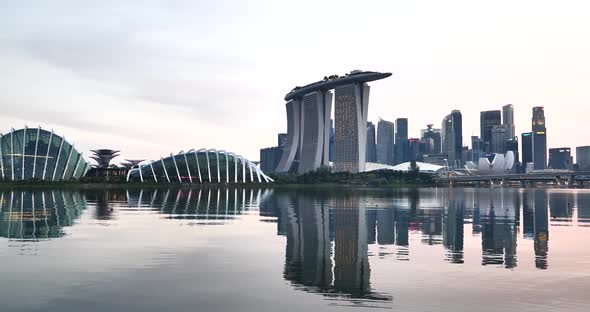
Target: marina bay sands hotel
[(309, 110)]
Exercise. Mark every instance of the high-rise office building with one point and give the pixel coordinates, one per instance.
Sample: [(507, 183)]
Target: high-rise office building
[(269, 158), (527, 148), (371, 144), (488, 120), (539, 138), (435, 135), (512, 145), (583, 157), (538, 120), (560, 158), (402, 145), (426, 146), (500, 135), (414, 152), (385, 142), (476, 148), (452, 137), (508, 119)]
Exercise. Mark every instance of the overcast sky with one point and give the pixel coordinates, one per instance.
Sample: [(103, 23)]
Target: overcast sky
[(154, 77)]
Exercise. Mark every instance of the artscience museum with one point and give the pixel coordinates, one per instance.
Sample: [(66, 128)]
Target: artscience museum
[(494, 164)]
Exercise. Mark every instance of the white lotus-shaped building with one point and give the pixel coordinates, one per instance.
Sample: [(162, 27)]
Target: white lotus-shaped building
[(500, 164)]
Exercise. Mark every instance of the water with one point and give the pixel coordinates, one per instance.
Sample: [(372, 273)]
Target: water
[(277, 250)]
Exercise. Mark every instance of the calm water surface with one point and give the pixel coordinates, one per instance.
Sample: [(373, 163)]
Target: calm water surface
[(275, 250)]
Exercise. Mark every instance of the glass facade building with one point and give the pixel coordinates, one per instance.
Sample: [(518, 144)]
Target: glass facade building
[(583, 157), (37, 154), (560, 158), (385, 142), (202, 166), (488, 120), (371, 143)]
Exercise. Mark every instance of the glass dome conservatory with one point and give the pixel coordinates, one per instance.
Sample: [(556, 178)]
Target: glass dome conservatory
[(199, 166), (37, 154)]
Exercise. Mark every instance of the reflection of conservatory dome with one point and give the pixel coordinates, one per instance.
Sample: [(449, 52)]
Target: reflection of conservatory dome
[(200, 166), (499, 164), (27, 154)]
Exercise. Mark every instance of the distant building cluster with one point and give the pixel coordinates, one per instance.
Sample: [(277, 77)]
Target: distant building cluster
[(347, 141)]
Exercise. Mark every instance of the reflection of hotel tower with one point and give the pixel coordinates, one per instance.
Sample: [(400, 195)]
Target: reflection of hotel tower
[(498, 217), (309, 225), (453, 230), (308, 244), (536, 223), (351, 271), (541, 229)]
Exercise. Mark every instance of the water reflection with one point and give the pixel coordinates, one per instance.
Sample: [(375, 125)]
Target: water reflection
[(332, 238), (38, 215)]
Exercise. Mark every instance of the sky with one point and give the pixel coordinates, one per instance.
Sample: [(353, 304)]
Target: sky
[(152, 78)]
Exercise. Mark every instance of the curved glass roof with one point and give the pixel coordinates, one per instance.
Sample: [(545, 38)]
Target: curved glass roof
[(199, 166), (37, 154)]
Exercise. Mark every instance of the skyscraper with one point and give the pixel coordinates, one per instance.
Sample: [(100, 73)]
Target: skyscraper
[(539, 138), (538, 121), (402, 145), (500, 135), (435, 135), (385, 142), (371, 145), (452, 137), (350, 115), (414, 151), (476, 148), (560, 158), (527, 148), (512, 145), (488, 120), (508, 119)]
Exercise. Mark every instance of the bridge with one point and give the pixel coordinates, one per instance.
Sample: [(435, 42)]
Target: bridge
[(564, 178)]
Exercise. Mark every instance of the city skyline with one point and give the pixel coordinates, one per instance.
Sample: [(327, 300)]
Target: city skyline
[(153, 70)]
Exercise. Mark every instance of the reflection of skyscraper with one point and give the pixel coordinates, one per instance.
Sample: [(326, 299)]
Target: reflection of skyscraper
[(528, 214), (309, 262), (561, 206), (308, 245), (351, 270), (453, 230), (385, 229), (541, 229), (498, 224), (583, 205), (402, 228)]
